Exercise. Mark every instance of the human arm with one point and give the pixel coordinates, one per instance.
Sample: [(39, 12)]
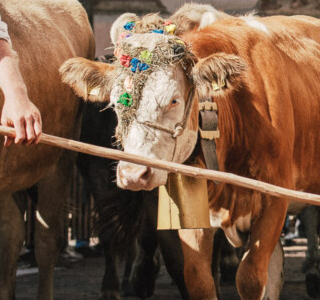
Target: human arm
[(18, 111)]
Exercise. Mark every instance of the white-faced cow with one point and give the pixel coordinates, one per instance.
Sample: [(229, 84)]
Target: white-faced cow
[(44, 34), (261, 75)]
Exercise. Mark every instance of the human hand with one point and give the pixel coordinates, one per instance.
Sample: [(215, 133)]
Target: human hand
[(25, 117)]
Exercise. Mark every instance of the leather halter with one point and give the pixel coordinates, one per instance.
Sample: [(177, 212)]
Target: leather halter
[(208, 127)]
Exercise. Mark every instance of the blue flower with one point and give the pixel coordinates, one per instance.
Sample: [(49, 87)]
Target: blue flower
[(157, 31), (137, 64), (129, 26)]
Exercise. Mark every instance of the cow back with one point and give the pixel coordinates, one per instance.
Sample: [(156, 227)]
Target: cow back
[(44, 34)]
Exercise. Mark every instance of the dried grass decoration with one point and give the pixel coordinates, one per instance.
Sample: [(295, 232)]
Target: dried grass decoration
[(143, 48)]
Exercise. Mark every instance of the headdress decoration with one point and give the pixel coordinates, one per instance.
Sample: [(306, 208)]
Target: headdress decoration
[(142, 49)]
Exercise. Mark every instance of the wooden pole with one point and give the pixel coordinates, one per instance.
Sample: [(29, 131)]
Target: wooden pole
[(174, 167)]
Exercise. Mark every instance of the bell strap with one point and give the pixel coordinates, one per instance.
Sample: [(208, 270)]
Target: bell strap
[(208, 129)]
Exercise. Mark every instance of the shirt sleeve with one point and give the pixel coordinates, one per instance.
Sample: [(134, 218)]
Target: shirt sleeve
[(4, 31)]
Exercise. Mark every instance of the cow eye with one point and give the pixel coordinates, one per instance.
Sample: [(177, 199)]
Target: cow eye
[(174, 102)]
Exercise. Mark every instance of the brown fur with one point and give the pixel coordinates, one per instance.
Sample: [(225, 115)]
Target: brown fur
[(265, 128), (84, 75), (269, 119), (188, 17), (44, 34), (218, 68)]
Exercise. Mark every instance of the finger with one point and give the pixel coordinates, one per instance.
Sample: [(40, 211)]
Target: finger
[(30, 134), (20, 132), (37, 129), (7, 141)]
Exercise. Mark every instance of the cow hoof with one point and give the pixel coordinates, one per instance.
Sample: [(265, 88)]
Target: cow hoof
[(127, 289), (107, 295), (144, 277), (312, 283)]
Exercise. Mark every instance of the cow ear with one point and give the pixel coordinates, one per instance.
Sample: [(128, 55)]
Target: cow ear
[(218, 73), (90, 80), (118, 25)]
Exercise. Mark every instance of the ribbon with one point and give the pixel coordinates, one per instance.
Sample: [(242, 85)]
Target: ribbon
[(137, 64), (125, 99)]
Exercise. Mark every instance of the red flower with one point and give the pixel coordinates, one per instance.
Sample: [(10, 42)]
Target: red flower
[(125, 60)]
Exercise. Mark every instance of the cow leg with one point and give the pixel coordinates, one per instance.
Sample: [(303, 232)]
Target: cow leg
[(147, 263), (169, 243), (252, 275), (197, 245), (110, 288), (310, 218), (126, 288), (12, 234), (224, 261), (275, 274), (53, 191)]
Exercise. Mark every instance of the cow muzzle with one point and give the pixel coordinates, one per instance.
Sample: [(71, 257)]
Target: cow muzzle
[(134, 177)]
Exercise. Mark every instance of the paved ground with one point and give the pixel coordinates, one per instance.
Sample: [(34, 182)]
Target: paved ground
[(81, 281)]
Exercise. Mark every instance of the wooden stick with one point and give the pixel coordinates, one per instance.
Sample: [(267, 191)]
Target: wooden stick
[(174, 167)]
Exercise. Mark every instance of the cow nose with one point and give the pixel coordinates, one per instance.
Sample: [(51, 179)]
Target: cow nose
[(134, 177)]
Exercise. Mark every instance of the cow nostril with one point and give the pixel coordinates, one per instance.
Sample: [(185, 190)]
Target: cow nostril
[(146, 174)]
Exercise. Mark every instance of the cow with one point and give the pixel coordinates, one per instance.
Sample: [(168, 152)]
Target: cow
[(124, 217), (44, 34), (260, 74)]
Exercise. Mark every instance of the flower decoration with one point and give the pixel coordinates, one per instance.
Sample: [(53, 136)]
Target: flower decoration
[(170, 29), (125, 99), (128, 84), (138, 65), (129, 26), (139, 56), (125, 60), (146, 56)]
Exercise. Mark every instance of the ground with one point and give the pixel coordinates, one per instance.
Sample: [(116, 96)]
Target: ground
[(81, 280)]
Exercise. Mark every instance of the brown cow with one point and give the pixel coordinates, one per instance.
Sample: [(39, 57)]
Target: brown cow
[(44, 34), (262, 73)]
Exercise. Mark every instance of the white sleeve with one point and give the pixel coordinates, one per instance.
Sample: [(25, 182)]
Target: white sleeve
[(4, 31)]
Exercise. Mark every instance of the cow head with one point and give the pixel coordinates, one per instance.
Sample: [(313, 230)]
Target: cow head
[(151, 86)]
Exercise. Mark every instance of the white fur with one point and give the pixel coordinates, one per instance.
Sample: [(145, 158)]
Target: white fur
[(207, 19), (253, 22), (117, 26), (159, 90), (275, 274), (242, 224), (147, 40)]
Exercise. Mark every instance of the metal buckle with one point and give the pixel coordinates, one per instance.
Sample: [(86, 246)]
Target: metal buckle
[(209, 135), (208, 106)]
